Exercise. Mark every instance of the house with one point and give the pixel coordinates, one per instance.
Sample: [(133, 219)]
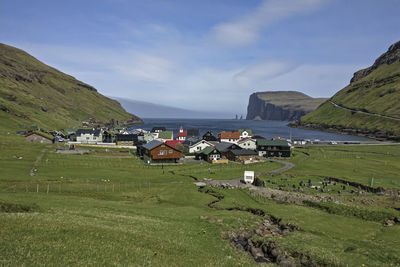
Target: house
[(245, 133), (193, 133), (181, 135), (108, 137), (273, 148), (165, 135), (158, 129), (247, 143), (208, 136), (175, 143), (241, 155), (159, 152), (230, 137), (89, 136), (209, 154), (299, 142), (39, 137), (126, 139), (146, 138), (193, 145)]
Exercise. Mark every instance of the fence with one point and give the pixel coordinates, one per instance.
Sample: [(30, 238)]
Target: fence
[(60, 187)]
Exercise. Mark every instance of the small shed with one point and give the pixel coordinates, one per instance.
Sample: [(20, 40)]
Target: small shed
[(248, 177)]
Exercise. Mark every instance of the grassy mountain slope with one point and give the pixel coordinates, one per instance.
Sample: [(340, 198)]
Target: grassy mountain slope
[(34, 93), (372, 92)]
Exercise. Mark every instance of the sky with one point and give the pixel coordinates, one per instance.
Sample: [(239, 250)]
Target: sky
[(204, 55)]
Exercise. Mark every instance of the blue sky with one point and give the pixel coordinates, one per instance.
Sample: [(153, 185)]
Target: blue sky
[(204, 55)]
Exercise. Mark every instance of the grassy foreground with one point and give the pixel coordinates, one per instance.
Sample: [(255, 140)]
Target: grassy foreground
[(108, 208)]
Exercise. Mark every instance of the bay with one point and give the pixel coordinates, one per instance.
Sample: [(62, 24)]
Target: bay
[(267, 129)]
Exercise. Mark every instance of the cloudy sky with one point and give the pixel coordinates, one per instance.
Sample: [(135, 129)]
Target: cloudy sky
[(204, 55)]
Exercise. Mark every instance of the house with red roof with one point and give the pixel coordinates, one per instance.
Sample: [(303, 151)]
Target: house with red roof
[(229, 137)]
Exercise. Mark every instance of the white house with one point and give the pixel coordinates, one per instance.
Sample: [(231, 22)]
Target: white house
[(229, 137), (247, 143), (195, 145), (89, 136)]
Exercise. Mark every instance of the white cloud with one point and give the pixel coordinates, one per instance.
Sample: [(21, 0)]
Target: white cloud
[(246, 30)]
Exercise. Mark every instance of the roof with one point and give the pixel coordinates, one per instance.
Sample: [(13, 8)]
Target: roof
[(250, 132), (41, 134), (126, 137), (229, 135), (191, 141), (209, 135), (243, 152), (158, 128), (265, 142), (166, 135), (246, 139), (173, 142), (207, 150), (153, 144), (225, 146), (193, 132)]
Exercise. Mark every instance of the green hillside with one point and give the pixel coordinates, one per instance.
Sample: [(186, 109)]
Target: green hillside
[(34, 93), (369, 105)]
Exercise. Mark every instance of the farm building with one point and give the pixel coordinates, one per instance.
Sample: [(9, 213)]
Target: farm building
[(209, 154), (158, 152), (273, 148), (241, 155), (39, 137)]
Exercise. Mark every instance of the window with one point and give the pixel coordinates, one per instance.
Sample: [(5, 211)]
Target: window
[(170, 151)]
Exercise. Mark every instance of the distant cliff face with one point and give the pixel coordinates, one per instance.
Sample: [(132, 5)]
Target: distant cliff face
[(280, 105)]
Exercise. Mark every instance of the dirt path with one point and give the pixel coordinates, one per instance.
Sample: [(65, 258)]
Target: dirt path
[(38, 159)]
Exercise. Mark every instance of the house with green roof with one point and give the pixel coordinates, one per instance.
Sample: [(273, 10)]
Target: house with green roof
[(273, 148), (209, 154), (245, 133), (165, 135)]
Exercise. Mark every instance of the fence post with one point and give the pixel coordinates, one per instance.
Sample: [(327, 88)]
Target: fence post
[(37, 188), (48, 188), (113, 188)]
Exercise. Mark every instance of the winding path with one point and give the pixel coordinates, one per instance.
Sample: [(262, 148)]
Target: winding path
[(364, 112)]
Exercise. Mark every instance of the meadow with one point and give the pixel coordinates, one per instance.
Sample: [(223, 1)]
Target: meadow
[(109, 208)]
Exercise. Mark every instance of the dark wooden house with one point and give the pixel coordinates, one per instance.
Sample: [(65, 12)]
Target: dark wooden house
[(273, 148), (209, 154), (126, 139), (208, 136), (158, 152), (241, 155)]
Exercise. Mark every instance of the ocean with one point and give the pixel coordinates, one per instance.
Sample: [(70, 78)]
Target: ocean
[(267, 129)]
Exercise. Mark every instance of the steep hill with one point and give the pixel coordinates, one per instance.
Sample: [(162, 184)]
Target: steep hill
[(280, 105), (34, 93), (369, 105)]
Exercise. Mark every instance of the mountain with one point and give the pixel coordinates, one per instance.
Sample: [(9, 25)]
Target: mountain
[(151, 110), (34, 93), (369, 105), (280, 105)]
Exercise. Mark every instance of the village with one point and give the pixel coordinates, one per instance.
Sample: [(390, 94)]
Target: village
[(160, 146)]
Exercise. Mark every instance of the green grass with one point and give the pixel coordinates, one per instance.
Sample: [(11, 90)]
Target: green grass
[(109, 208)]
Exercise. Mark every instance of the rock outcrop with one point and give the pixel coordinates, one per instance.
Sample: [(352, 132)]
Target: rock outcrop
[(280, 105)]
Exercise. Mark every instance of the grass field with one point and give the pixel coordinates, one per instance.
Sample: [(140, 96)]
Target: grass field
[(109, 208)]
